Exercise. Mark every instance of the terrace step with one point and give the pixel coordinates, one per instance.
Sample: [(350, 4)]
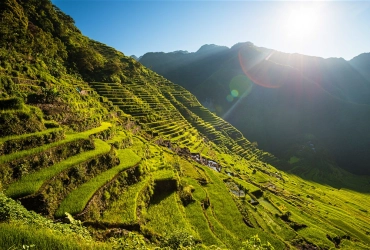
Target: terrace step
[(31, 183), (12, 144), (77, 200)]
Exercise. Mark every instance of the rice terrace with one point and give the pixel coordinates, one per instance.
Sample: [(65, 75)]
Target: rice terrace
[(98, 151)]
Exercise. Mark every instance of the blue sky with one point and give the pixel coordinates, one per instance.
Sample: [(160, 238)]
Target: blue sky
[(325, 29)]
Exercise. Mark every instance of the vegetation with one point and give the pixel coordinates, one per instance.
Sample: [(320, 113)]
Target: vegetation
[(114, 156), (32, 183), (77, 200)]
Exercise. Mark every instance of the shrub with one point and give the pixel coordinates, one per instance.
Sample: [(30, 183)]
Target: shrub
[(186, 195), (51, 124), (129, 241), (20, 122), (7, 85), (255, 243), (178, 240), (11, 103)]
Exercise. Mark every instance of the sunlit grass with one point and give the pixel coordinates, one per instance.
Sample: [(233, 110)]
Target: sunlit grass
[(69, 138), (16, 236), (23, 136), (196, 216), (123, 210), (29, 184), (77, 200), (227, 213), (248, 186), (165, 216)]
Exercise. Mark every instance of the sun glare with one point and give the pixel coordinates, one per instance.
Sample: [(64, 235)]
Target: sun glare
[(301, 23)]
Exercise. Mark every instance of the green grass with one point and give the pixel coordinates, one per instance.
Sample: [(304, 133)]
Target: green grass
[(227, 213), (196, 216), (268, 206), (23, 136), (351, 230), (123, 210), (166, 174), (248, 186), (165, 217), (69, 138), (77, 200), (118, 138), (16, 236), (31, 183), (222, 233)]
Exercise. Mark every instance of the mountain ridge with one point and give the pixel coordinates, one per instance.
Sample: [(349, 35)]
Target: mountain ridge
[(213, 85)]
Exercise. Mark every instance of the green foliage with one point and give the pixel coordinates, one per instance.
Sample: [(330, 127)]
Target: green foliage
[(7, 86), (178, 240), (11, 103), (27, 141), (51, 124), (49, 95), (185, 193), (17, 122), (130, 241), (11, 211), (255, 243), (78, 199), (31, 183), (123, 209)]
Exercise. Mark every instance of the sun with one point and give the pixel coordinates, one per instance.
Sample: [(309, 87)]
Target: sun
[(301, 22)]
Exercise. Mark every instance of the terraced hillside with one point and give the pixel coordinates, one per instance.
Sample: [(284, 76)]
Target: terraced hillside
[(140, 164), (155, 103), (113, 179)]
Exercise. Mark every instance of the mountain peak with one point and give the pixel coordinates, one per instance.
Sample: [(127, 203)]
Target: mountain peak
[(208, 48)]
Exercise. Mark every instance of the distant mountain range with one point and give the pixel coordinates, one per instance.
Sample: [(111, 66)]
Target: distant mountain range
[(282, 101)]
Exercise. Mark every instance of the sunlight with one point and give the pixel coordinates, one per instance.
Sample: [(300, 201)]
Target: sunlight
[(302, 23)]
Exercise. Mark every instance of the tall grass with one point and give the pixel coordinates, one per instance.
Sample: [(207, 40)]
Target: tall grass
[(77, 200), (30, 184)]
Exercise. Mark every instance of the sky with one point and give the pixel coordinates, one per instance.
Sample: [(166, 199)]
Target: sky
[(319, 28)]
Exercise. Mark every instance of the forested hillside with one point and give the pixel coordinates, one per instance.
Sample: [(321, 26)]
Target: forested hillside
[(99, 152)]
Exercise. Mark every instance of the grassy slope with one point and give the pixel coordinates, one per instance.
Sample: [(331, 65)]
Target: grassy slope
[(32, 183), (69, 137), (76, 201), (124, 209)]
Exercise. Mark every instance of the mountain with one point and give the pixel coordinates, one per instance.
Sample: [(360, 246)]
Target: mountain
[(361, 63), (99, 152), (279, 99)]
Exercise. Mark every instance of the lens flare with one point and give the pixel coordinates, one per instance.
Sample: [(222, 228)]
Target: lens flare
[(240, 86), (229, 98), (234, 93), (261, 72)]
